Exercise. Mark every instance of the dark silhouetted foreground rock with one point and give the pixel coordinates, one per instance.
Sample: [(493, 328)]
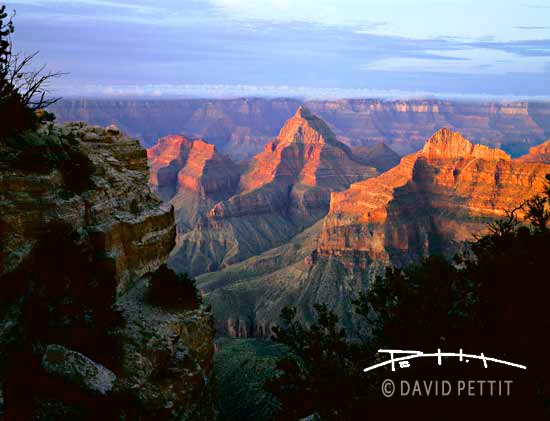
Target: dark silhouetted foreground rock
[(79, 229)]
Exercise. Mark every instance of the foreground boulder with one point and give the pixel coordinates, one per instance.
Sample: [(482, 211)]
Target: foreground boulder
[(78, 369)]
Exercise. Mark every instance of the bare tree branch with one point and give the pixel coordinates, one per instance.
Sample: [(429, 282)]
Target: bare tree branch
[(30, 85)]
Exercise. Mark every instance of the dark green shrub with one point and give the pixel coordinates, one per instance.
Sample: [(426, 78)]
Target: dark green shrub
[(168, 289)]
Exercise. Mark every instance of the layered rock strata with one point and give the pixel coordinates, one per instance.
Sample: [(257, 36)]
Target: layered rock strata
[(124, 221), (405, 125), (192, 176), (433, 202), (286, 189), (238, 127)]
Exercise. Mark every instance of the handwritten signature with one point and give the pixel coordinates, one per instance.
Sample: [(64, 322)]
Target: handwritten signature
[(403, 363)]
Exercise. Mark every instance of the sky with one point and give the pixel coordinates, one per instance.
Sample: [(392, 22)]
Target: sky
[(300, 48)]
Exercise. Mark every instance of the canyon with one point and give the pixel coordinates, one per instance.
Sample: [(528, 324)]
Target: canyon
[(433, 202), (242, 127), (263, 216), (310, 219), (317, 211), (284, 189)]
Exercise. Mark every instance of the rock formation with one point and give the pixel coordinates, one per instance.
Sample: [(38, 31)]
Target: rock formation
[(286, 189), (431, 203), (121, 217), (404, 125), (191, 175), (305, 152), (79, 232)]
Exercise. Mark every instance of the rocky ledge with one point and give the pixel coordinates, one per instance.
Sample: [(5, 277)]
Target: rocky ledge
[(168, 358), (122, 218), (79, 230)]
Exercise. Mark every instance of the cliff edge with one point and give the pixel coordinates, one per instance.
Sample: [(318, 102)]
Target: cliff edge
[(80, 232)]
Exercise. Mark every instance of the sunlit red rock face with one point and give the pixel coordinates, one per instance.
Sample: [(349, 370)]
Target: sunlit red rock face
[(165, 159), (431, 203), (191, 175), (307, 152), (286, 188), (295, 173), (305, 155)]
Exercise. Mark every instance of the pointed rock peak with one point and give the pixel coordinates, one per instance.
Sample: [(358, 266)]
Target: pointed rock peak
[(304, 127), (447, 144), (445, 140), (303, 112)]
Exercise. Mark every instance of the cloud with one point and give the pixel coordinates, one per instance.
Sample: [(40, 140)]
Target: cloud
[(160, 13), (531, 27), (524, 48), (96, 3), (208, 43), (169, 91), (465, 61)]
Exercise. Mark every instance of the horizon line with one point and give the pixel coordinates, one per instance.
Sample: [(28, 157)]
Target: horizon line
[(459, 98)]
